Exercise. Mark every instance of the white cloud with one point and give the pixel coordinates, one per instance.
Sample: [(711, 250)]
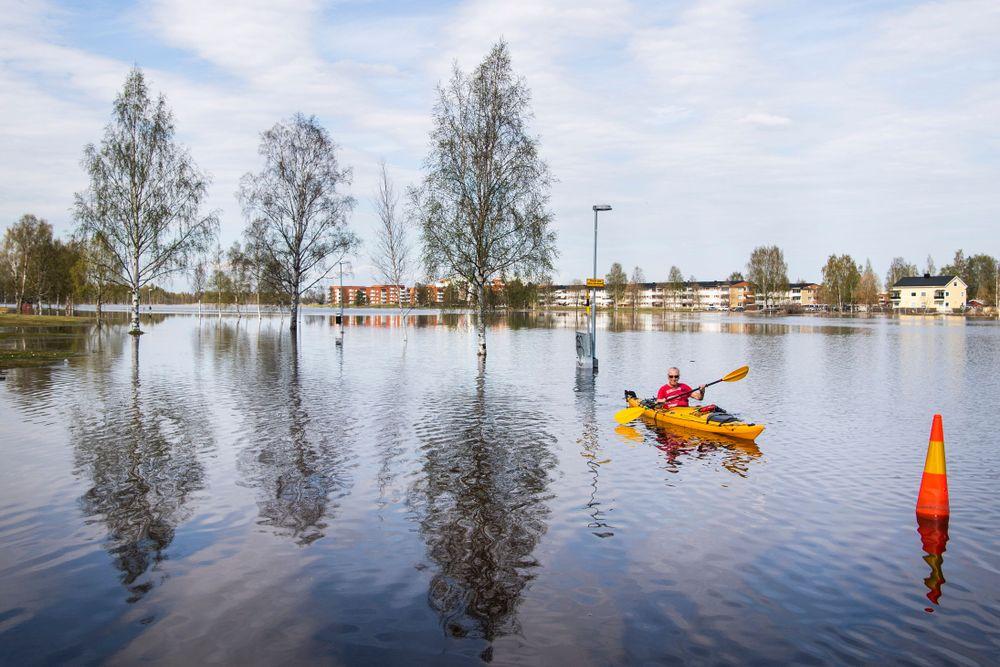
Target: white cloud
[(660, 110), (765, 120)]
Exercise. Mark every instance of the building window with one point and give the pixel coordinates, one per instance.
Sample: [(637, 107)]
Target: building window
[(913, 293)]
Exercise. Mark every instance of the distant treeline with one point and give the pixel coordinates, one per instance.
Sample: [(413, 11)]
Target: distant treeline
[(845, 283)]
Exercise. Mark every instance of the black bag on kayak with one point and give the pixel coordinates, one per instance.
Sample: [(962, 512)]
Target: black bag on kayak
[(720, 416)]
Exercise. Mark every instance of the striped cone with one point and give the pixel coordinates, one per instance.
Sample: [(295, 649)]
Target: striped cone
[(932, 501)]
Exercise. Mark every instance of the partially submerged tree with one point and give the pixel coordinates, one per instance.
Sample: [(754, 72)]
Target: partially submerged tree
[(238, 263), (482, 206), (392, 253), (144, 201), (198, 281), (296, 208), (768, 272)]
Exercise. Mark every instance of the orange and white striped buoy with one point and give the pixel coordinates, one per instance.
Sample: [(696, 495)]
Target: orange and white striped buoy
[(932, 501)]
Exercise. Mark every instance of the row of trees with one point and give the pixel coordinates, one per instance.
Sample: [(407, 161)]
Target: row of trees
[(845, 282), (481, 207)]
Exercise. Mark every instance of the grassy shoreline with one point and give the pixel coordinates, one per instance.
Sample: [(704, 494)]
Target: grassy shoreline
[(15, 320)]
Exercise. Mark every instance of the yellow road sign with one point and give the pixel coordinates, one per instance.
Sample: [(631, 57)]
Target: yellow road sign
[(595, 282)]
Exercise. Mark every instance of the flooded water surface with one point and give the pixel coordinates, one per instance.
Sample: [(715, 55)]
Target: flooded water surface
[(219, 490)]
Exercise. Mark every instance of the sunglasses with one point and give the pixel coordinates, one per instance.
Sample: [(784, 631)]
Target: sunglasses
[(673, 376)]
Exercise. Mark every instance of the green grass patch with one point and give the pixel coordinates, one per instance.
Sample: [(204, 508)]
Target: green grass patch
[(9, 320)]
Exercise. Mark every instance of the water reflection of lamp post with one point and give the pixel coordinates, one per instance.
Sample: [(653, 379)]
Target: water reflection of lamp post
[(593, 292)]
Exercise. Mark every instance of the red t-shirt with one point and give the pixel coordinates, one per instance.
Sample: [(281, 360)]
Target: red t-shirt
[(666, 391)]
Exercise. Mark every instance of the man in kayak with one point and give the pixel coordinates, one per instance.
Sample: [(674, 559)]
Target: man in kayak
[(674, 394)]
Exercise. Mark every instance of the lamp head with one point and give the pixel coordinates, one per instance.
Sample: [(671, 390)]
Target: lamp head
[(602, 207)]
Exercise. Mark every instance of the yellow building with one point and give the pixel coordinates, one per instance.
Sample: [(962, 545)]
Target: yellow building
[(942, 294)]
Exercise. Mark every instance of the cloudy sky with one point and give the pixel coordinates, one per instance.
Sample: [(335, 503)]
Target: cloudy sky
[(862, 127)]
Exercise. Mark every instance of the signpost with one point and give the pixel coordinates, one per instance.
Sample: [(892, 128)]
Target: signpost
[(597, 283)]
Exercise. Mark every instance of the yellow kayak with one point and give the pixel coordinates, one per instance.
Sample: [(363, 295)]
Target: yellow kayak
[(693, 418)]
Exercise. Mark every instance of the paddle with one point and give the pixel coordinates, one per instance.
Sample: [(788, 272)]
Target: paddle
[(630, 414)]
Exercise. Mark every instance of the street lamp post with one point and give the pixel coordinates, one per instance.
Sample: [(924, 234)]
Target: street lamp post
[(340, 297), (593, 291)]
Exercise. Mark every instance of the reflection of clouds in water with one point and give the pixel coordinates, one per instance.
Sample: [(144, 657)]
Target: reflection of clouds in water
[(480, 504), (139, 444), (295, 438)]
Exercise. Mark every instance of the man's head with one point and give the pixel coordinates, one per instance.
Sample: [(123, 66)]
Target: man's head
[(673, 376)]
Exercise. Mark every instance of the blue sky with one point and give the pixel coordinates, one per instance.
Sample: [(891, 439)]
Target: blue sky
[(868, 128)]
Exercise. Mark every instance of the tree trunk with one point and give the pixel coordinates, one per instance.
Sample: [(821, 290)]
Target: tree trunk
[(481, 325), (258, 304), (294, 323), (134, 328)]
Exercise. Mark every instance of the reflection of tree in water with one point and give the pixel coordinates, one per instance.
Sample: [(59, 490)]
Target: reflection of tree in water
[(140, 450), (295, 458), (481, 507), (679, 444)]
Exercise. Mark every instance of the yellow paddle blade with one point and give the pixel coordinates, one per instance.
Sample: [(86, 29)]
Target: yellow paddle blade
[(738, 374), (628, 414)]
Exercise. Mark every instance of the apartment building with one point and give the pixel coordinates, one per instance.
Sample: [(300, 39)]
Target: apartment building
[(800, 294), (348, 294), (942, 294), (386, 295)]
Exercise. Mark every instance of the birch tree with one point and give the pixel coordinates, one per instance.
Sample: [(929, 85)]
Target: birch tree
[(297, 209), (840, 280), (768, 272), (392, 252), (673, 286), (143, 205), (635, 287), (25, 243), (616, 284), (198, 279), (899, 268), (482, 206)]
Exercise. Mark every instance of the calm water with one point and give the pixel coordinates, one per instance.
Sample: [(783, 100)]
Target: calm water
[(221, 492)]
